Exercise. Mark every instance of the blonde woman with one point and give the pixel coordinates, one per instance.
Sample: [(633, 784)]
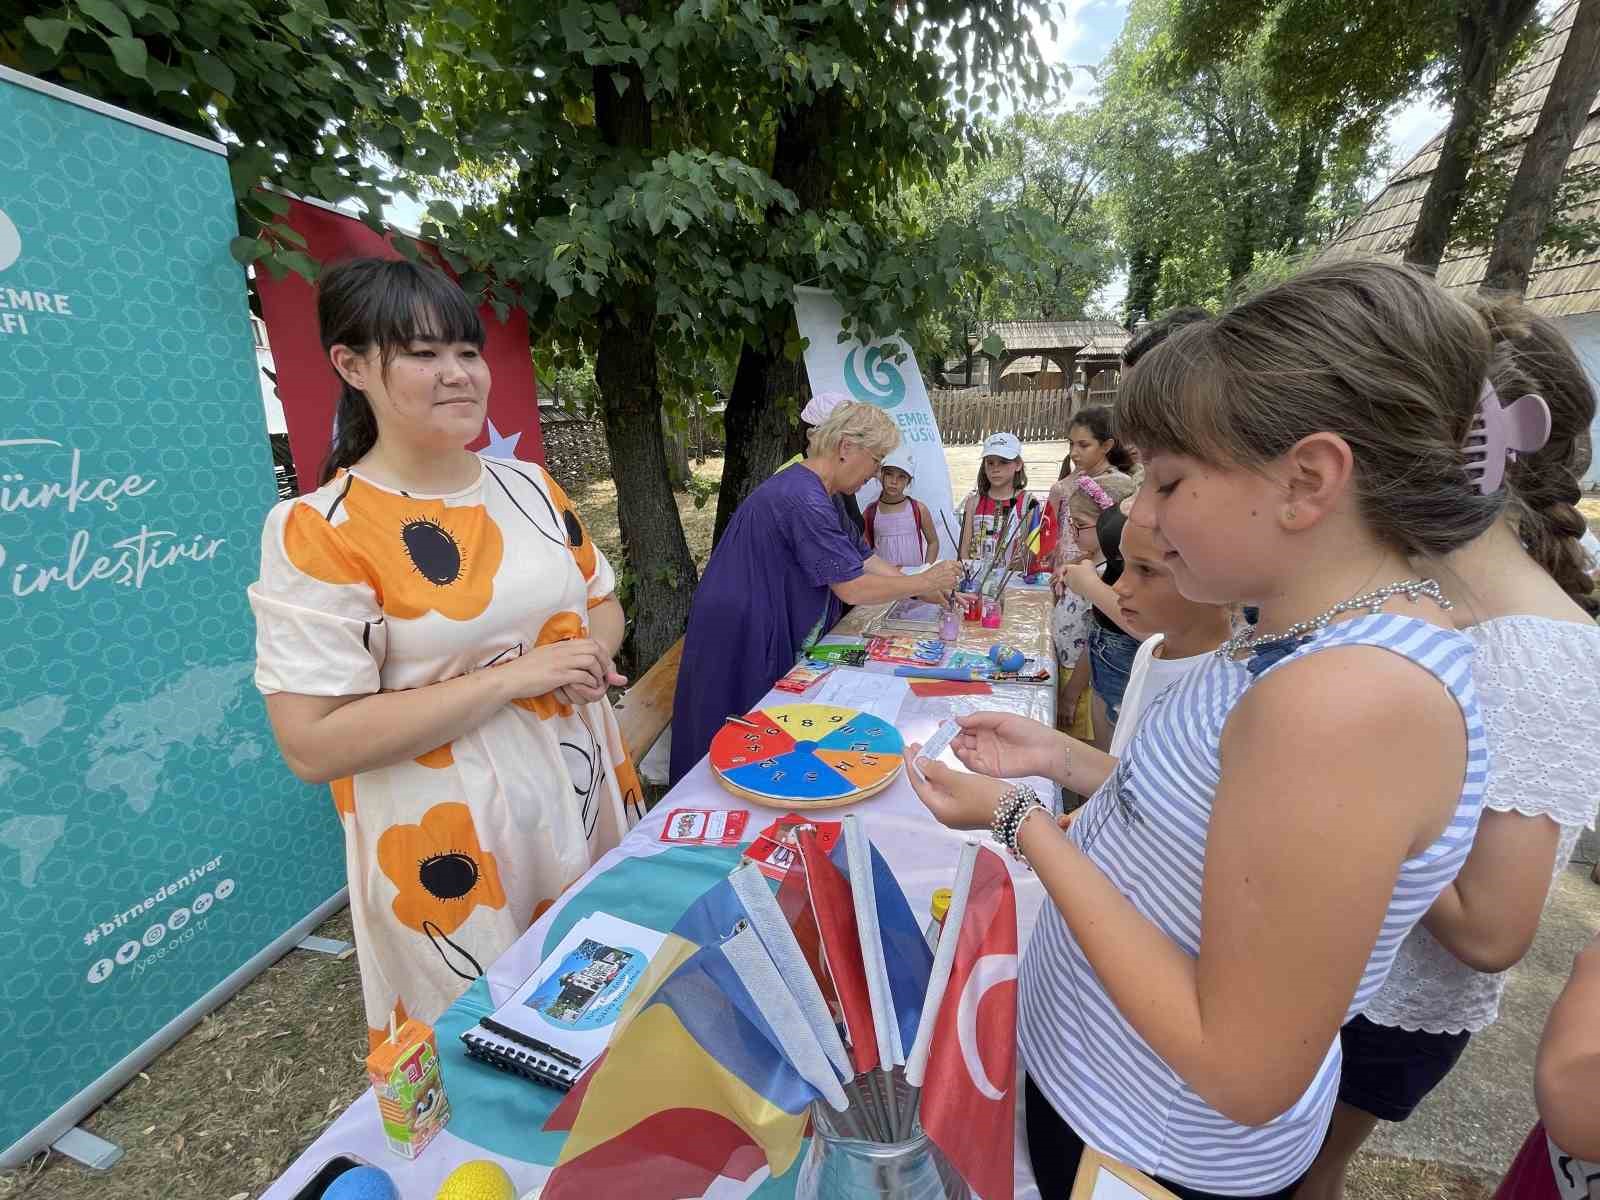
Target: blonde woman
[(779, 575)]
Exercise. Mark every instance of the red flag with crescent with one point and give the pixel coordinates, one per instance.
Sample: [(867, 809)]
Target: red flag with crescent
[(969, 1100)]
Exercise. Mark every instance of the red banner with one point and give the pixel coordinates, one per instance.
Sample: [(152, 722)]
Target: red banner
[(308, 386)]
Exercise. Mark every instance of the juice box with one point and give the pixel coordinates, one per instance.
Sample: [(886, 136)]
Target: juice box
[(405, 1074)]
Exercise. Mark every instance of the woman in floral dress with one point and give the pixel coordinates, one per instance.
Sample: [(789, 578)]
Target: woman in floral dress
[(434, 637)]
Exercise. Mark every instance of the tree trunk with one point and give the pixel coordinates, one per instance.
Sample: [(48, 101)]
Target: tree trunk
[(630, 393), (1485, 30), (1544, 157), (757, 424), (1144, 276), (1307, 175), (1241, 234)]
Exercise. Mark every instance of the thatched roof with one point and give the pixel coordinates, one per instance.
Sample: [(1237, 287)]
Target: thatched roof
[(1556, 288)]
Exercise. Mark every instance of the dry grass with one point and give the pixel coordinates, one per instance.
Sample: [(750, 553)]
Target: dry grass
[(224, 1112), (1377, 1178), (1590, 508)]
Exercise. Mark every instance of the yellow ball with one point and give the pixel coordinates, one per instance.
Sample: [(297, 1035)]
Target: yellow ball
[(477, 1180)]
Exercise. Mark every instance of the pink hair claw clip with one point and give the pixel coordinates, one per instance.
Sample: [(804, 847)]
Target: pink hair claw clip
[(1500, 433)]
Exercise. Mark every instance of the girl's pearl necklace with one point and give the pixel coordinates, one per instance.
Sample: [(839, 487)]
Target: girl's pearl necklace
[(1372, 601)]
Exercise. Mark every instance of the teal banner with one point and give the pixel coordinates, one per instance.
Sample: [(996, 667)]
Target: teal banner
[(151, 841)]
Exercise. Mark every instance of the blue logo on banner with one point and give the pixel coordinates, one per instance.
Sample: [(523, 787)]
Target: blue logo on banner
[(884, 385)]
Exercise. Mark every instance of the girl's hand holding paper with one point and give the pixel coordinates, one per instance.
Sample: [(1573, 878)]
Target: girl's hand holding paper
[(957, 799)]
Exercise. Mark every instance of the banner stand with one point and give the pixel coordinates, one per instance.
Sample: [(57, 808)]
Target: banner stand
[(58, 1127), (155, 851), (868, 375)]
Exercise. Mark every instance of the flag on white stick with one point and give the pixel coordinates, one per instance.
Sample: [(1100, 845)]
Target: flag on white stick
[(943, 959), (767, 919), (759, 975), (969, 1097), (858, 858)]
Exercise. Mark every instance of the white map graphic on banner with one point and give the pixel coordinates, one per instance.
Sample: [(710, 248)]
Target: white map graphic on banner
[(867, 374)]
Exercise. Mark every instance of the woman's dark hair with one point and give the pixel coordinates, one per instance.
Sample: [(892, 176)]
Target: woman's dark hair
[(1108, 530), (1100, 420), (1531, 354), (387, 303), (1376, 353), (1020, 481)]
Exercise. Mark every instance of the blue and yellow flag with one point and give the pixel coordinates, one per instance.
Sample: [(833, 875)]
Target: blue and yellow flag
[(697, 1082)]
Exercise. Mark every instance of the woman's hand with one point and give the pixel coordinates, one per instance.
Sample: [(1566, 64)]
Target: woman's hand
[(941, 578), (958, 800), (1003, 745), (579, 669)]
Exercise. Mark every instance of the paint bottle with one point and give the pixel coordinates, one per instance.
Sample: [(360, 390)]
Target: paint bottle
[(938, 909), (950, 625)]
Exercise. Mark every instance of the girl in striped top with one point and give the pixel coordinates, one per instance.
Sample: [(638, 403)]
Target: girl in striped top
[(1238, 887)]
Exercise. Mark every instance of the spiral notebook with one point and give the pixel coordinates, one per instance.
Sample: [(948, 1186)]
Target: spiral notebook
[(561, 1018)]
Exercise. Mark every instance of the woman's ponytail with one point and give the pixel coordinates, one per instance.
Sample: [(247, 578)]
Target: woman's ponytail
[(355, 433)]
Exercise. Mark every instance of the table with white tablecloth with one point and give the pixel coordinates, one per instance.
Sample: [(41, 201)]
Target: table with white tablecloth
[(499, 1116)]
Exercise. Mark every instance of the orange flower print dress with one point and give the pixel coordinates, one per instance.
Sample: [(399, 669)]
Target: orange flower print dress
[(450, 855)]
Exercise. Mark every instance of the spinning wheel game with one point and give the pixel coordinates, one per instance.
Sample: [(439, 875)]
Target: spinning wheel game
[(799, 756)]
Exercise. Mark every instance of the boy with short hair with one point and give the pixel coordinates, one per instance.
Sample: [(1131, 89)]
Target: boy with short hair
[(1178, 634)]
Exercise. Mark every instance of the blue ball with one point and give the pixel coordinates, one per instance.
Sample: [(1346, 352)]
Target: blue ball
[(361, 1183), (1007, 658)]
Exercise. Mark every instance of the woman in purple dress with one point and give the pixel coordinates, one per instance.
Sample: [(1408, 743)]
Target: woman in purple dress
[(778, 576)]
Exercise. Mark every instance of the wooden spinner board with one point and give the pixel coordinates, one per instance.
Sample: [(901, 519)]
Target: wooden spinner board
[(803, 756)]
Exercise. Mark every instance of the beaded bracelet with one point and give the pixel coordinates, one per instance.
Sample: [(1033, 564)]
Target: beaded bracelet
[(1018, 801)]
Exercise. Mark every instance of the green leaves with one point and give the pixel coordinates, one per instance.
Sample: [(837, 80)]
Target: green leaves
[(48, 32), (216, 73), (131, 55), (108, 15)]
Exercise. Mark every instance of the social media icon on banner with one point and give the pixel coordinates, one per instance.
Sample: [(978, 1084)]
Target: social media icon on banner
[(153, 935), (201, 903), (101, 971), (224, 889), (178, 919), (127, 952)]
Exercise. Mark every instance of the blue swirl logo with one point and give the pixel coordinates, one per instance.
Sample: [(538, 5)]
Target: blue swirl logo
[(884, 385)]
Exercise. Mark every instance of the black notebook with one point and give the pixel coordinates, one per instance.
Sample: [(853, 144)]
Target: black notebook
[(562, 1017)]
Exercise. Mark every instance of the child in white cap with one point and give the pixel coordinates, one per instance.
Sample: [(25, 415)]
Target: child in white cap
[(999, 496), (899, 527)]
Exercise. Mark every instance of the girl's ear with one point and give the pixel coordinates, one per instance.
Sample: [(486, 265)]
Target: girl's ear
[(1316, 473)]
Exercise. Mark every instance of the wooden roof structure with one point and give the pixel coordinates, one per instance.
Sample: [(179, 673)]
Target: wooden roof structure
[(1064, 343), (1556, 287)]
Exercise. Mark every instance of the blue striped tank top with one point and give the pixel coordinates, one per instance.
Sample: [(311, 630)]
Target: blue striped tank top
[(1146, 829)]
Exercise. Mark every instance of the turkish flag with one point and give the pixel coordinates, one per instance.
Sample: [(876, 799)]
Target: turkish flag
[(969, 1097), (833, 906)]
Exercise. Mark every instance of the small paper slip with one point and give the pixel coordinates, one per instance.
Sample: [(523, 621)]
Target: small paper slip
[(705, 827), (938, 742), (880, 695), (563, 1015)]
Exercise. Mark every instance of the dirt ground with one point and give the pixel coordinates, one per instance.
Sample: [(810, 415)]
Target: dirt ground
[(224, 1111)]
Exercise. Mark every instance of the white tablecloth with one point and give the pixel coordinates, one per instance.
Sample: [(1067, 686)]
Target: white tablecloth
[(921, 853)]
